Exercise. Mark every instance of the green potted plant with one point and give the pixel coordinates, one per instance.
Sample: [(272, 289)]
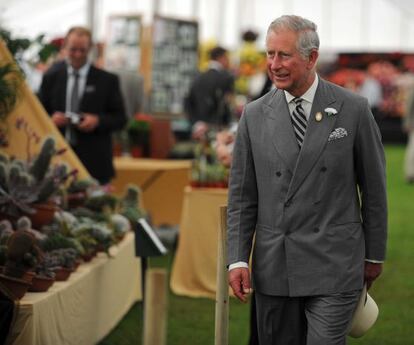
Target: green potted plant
[(130, 204), (64, 260), (139, 129), (10, 81), (26, 187), (77, 191), (45, 276)]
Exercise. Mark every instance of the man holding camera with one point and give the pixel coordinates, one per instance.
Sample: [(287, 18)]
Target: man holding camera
[(85, 103)]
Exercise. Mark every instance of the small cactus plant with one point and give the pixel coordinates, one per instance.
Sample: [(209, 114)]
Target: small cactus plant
[(23, 254), (41, 163), (23, 184), (130, 204)]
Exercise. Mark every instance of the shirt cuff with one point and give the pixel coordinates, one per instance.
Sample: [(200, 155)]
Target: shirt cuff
[(239, 264), (374, 261)]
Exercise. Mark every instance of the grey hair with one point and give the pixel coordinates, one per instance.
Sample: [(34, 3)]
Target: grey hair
[(308, 37)]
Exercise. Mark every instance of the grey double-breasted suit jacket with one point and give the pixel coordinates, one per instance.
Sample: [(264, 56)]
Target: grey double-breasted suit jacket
[(316, 213)]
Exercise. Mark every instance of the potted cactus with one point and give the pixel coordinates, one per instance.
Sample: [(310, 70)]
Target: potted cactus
[(130, 204), (45, 276), (64, 260), (22, 256), (77, 192), (26, 187)]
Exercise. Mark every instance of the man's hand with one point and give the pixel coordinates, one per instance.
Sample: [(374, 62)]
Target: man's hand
[(199, 130), (59, 119), (372, 271), (239, 280), (89, 122)]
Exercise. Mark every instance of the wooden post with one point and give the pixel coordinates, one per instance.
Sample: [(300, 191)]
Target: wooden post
[(155, 308), (222, 293)]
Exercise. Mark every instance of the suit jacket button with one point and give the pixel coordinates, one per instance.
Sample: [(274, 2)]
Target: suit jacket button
[(278, 174), (287, 203), (323, 169), (315, 230)]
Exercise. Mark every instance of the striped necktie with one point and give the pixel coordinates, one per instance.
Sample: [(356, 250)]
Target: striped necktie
[(299, 121), (74, 97)]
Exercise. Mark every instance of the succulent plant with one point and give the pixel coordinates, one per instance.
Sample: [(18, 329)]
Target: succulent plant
[(102, 202), (81, 185), (120, 224), (46, 268), (24, 223), (129, 204), (22, 255), (23, 184), (41, 163), (58, 241), (64, 257)]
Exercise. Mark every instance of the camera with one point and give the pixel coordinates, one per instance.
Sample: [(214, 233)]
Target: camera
[(74, 118)]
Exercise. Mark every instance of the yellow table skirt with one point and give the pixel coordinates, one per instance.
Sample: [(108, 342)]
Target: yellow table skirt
[(162, 181), (195, 264), (84, 309)]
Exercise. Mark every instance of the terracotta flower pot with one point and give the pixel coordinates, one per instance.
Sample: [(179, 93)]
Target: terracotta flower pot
[(41, 284), (28, 276), (62, 274), (136, 151), (43, 215), (16, 287)]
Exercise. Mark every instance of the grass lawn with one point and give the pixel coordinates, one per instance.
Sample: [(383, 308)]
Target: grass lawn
[(191, 320)]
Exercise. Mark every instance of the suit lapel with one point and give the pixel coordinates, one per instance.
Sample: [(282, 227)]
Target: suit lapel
[(90, 85), (316, 135), (279, 128), (63, 75)]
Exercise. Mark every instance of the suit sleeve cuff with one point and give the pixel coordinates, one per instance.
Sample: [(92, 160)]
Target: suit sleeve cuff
[(239, 264), (374, 261)]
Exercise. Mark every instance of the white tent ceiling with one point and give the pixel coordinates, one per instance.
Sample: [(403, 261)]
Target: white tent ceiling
[(344, 25)]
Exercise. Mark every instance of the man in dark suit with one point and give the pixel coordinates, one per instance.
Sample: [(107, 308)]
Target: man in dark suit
[(85, 103), (308, 181), (209, 98)]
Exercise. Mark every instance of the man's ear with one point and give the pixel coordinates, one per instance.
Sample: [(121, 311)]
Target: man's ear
[(313, 57)]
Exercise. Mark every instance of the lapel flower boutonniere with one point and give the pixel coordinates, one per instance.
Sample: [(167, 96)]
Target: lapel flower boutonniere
[(331, 111)]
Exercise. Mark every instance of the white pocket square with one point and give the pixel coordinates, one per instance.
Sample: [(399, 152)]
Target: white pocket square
[(337, 133)]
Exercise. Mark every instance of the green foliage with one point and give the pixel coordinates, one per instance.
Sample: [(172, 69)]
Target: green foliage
[(101, 202), (58, 241), (10, 80), (81, 185), (42, 161), (15, 45), (129, 204)]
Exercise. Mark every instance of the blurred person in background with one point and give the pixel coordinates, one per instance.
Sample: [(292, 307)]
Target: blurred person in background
[(208, 104), (85, 103)]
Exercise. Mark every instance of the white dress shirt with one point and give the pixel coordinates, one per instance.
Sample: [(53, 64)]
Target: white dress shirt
[(83, 73)]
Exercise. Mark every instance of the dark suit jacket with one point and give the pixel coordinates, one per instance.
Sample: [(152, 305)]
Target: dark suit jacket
[(206, 99), (102, 96), (317, 213)]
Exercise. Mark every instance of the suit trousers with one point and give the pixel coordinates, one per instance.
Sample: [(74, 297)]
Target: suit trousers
[(409, 159), (314, 320)]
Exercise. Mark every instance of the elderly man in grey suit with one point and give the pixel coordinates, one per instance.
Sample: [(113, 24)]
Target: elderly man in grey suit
[(308, 183)]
